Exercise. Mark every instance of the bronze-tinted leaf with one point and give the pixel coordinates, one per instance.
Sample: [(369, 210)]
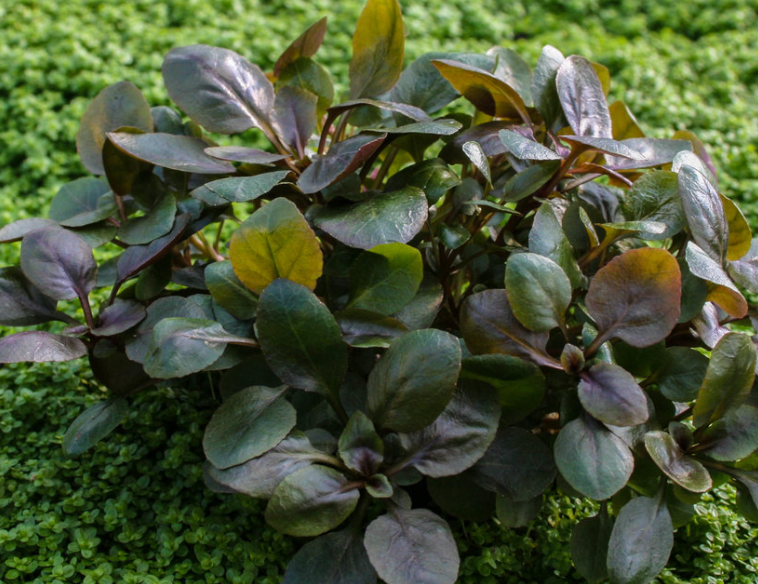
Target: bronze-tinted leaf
[(583, 99), (40, 347), (305, 45), (705, 213), (295, 117)]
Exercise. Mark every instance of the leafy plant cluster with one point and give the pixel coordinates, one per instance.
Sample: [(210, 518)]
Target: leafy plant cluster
[(427, 305), (52, 63)]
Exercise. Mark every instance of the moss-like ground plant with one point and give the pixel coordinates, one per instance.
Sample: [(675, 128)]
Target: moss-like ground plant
[(463, 282)]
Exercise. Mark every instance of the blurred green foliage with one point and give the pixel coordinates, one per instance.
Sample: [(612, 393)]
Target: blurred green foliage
[(135, 509)]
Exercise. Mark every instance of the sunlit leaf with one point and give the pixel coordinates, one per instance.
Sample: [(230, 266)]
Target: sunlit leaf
[(306, 45), (342, 159), (582, 97)]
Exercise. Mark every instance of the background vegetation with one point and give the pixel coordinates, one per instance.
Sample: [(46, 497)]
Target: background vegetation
[(135, 508)]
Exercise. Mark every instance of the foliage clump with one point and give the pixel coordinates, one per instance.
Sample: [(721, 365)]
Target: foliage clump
[(429, 305)]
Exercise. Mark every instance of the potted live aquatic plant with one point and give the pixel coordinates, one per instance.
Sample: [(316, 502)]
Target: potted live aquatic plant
[(465, 284)]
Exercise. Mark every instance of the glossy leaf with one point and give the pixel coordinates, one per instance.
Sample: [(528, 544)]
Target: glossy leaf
[(364, 328), (306, 74), (705, 213), (248, 424), (311, 501), (414, 380), (655, 197), (40, 347), (394, 217), (735, 435), (433, 176), (478, 158), (119, 317), (728, 379), (276, 242), (526, 149), (306, 45), (513, 70), (589, 546), (23, 303), (117, 106), (343, 158), (360, 447), (59, 263), (227, 289), (529, 181), (682, 373), (489, 94), (721, 289), (544, 90), (300, 339), (443, 127), (156, 222), (684, 470), (181, 346), (611, 395), (183, 153), (582, 97), (295, 117), (459, 436), (655, 152), (333, 558), (404, 109), (641, 542), (238, 189), (244, 154), (385, 278), (635, 297), (18, 229), (94, 424), (538, 290), (547, 238), (605, 145), (412, 546), (219, 89), (489, 326), (517, 465), (594, 461), (82, 202), (378, 49)]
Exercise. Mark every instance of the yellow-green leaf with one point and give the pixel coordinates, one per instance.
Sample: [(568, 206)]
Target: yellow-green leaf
[(740, 236), (378, 49), (276, 242)]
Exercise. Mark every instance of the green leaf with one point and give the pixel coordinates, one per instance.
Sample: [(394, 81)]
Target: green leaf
[(605, 145), (394, 217), (473, 150), (735, 435), (343, 159), (593, 461), (636, 296), (655, 152), (238, 189), (513, 70), (244, 154), (539, 291), (526, 149), (156, 223), (641, 542), (218, 89), (421, 312), (705, 213), (182, 153), (589, 546), (276, 242), (59, 263), (529, 180), (82, 202), (548, 239), (311, 501), (544, 88), (489, 326), (655, 197), (378, 49), (721, 289), (360, 447), (459, 436), (94, 424), (684, 470), (260, 476), (385, 278), (227, 289), (364, 328), (681, 374), (117, 106), (489, 94), (405, 110), (520, 385), (728, 379), (18, 229), (306, 45), (582, 97), (249, 423), (461, 497), (181, 346), (517, 513), (412, 546), (333, 558), (414, 380), (517, 465), (295, 117), (306, 74), (432, 176), (23, 303), (40, 347), (300, 339), (443, 127), (611, 395)]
